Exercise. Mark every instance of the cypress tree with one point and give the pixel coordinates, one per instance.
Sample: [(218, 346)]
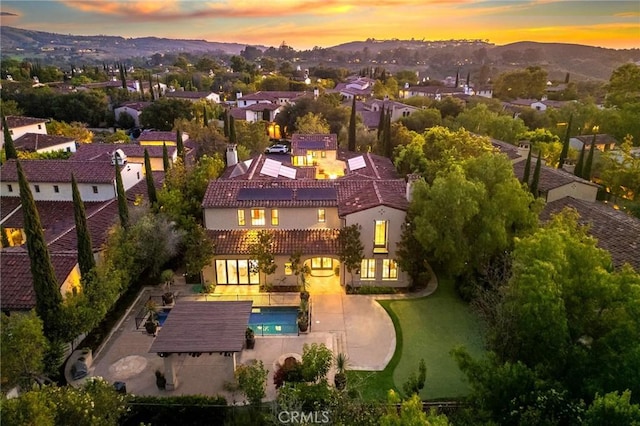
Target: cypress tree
[(123, 207), (536, 176), (153, 96), (205, 116), (586, 172), (381, 123), (45, 283), (580, 165), (352, 127), (468, 78), (151, 186), (527, 168), (123, 78), (388, 148), (3, 237), (166, 165), (225, 120), (565, 145), (86, 261), (9, 148), (180, 144), (232, 130), (457, 77)]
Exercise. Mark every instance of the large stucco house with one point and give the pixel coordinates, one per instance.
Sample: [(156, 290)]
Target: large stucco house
[(303, 200)]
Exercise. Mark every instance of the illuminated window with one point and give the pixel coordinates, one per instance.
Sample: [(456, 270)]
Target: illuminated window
[(275, 217), (368, 269), (232, 271), (380, 236), (389, 269), (257, 217), (323, 154), (321, 215), (321, 263), (287, 269), (241, 221)]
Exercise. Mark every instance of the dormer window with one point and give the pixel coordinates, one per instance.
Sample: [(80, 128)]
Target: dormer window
[(322, 217), (9, 187), (275, 217), (257, 217), (37, 188)]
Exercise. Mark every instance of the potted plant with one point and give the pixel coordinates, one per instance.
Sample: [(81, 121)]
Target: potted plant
[(250, 339), (303, 316), (340, 379), (151, 325), (167, 298), (161, 381)]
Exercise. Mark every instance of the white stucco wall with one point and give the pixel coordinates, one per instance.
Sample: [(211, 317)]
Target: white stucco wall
[(69, 147), (578, 190), (16, 132), (289, 218)]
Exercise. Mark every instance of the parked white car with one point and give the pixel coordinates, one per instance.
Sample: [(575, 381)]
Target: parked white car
[(277, 149)]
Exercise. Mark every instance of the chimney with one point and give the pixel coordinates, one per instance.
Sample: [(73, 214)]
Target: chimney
[(232, 155), (238, 95), (316, 93), (411, 180), (523, 148)]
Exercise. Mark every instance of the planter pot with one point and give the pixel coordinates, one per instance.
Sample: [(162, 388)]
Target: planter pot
[(167, 298), (340, 380), (161, 381), (151, 327), (250, 343)]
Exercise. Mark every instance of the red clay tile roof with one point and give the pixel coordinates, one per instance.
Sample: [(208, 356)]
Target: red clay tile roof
[(358, 195), (506, 148), (300, 142), (550, 177), (261, 107), (35, 141), (158, 136), (14, 121), (271, 95), (377, 166), (285, 242), (601, 138), (187, 94), (616, 231), (17, 282), (203, 327), (59, 171), (103, 151)]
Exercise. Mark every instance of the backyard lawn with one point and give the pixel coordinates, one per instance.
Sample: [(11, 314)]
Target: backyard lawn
[(427, 328)]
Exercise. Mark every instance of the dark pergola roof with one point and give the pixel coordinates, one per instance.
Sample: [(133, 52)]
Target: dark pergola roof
[(204, 327)]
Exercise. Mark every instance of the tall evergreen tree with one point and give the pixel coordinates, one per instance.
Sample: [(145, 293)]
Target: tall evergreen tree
[(205, 116), (151, 186), (232, 130), (352, 127), (580, 165), (9, 148), (457, 77), (388, 146), (586, 172), (3, 237), (123, 79), (166, 165), (381, 123), (123, 207), (86, 261), (180, 145), (536, 176), (153, 96), (225, 122), (45, 284), (527, 168), (565, 145), (468, 78)]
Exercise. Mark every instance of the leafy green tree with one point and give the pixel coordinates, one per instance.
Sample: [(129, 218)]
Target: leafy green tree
[(621, 171), (75, 130), (252, 381), (123, 207), (612, 409), (415, 383), (45, 283), (351, 248), (312, 123), (316, 362), (352, 127), (23, 349), (580, 164), (86, 261), (151, 186), (422, 119), (528, 83), (253, 136), (261, 250), (156, 241), (119, 136), (623, 88), (163, 113), (9, 147), (125, 120), (411, 413)]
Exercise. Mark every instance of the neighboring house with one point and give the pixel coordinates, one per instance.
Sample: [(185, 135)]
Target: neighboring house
[(538, 105), (19, 126), (358, 87), (16, 280), (616, 231), (280, 98), (194, 96), (370, 111), (514, 153), (51, 179), (134, 153), (305, 211), (257, 112), (555, 184), (36, 142), (134, 109), (604, 142), (431, 92), (150, 138)]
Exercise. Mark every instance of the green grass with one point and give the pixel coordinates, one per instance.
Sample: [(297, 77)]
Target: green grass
[(427, 328)]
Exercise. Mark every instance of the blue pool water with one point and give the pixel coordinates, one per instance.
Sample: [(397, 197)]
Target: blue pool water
[(274, 320), (162, 316)]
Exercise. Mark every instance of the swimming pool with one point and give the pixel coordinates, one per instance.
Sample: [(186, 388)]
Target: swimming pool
[(162, 315), (271, 320)]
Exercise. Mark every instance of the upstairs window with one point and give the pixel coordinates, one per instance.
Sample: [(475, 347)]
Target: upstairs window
[(257, 217), (10, 188), (56, 189), (275, 218), (37, 188), (322, 216), (241, 220), (380, 236), (95, 189)]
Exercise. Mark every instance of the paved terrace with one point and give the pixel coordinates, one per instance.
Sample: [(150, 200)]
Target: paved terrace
[(355, 325)]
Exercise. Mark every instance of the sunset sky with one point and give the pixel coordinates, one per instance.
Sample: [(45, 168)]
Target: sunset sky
[(304, 24)]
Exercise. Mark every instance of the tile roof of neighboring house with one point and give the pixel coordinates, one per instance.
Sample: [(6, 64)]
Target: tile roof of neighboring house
[(506, 148), (616, 231), (523, 102), (377, 166), (259, 107), (186, 94), (550, 177), (17, 281), (285, 242), (35, 141), (301, 142), (158, 136), (601, 138), (103, 151), (239, 113), (370, 119), (358, 195), (138, 106), (58, 171), (271, 95), (14, 121), (386, 103), (435, 89)]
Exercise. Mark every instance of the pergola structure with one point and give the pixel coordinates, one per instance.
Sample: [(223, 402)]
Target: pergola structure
[(196, 328)]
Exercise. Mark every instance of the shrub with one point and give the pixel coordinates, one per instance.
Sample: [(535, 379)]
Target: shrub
[(182, 410)]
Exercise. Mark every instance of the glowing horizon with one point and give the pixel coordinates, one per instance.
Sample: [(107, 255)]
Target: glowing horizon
[(304, 24)]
